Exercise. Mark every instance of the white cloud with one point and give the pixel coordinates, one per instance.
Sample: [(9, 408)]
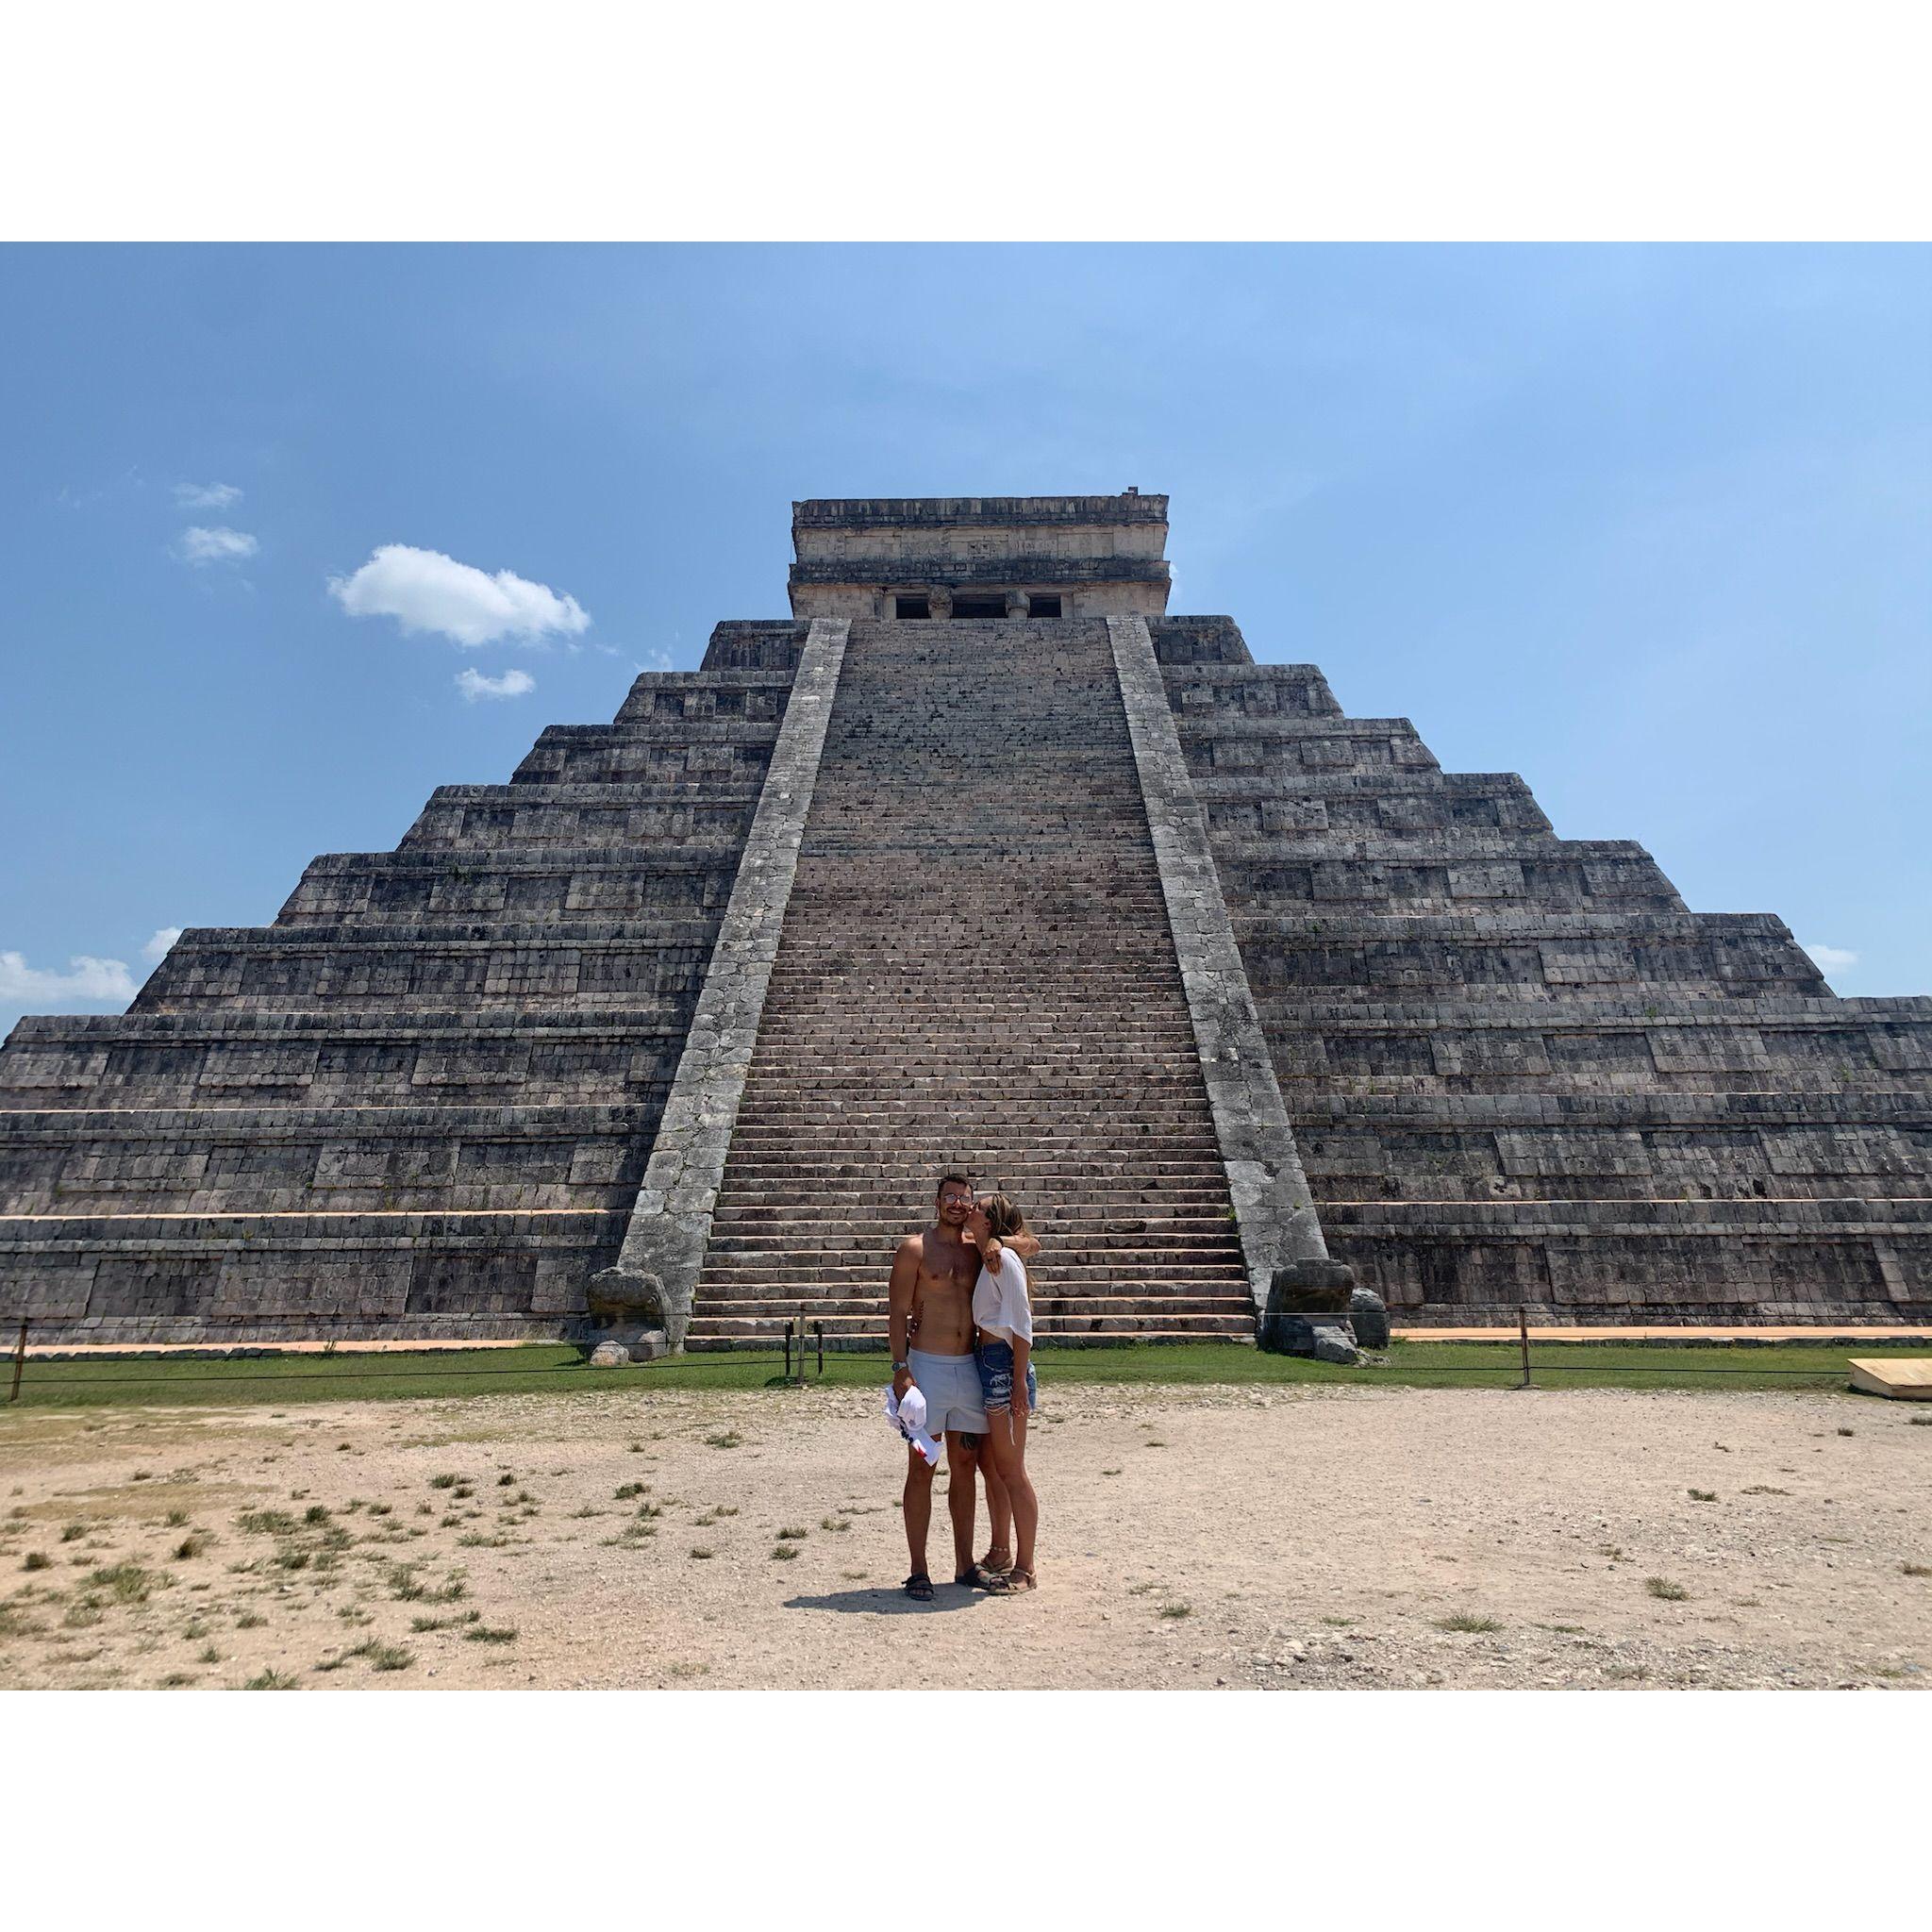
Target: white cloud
[(87, 982), (512, 684), (207, 495), (156, 948), (423, 589), (1832, 959), (218, 545), (656, 661), (82, 496)]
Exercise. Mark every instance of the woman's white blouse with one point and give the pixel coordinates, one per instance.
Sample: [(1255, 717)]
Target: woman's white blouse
[(999, 1301)]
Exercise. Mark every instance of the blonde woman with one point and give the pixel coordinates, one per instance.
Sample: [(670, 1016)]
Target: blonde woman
[(1003, 1319)]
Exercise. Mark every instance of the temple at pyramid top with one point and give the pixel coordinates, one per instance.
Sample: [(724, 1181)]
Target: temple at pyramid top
[(946, 556)]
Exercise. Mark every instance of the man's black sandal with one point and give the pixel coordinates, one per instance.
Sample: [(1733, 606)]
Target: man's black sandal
[(919, 1587)]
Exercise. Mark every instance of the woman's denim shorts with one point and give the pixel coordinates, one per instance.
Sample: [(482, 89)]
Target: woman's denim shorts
[(996, 1376)]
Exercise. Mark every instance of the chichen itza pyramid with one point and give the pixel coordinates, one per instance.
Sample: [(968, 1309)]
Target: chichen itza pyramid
[(980, 860)]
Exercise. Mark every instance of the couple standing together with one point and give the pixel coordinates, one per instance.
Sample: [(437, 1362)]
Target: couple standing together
[(962, 1335)]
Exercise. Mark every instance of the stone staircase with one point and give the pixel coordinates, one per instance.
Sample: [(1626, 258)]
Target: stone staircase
[(1520, 1071), (975, 972)]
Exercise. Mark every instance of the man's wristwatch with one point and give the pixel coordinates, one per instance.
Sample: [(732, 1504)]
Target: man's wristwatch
[(908, 1366)]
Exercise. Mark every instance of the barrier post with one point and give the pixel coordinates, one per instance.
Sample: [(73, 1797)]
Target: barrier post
[(1523, 1336), (19, 1360), (820, 1328)]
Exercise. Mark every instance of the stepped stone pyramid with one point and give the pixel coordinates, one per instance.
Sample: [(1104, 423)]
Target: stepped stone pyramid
[(980, 860)]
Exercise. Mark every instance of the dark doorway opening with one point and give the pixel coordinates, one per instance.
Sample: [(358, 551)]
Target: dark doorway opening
[(1045, 606), (911, 607)]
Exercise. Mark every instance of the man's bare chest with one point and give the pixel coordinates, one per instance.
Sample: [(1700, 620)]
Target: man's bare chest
[(945, 1278)]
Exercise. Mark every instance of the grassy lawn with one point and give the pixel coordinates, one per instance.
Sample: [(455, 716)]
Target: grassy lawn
[(555, 1368)]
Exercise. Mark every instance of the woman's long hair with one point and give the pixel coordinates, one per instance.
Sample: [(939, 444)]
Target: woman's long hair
[(1002, 1216)]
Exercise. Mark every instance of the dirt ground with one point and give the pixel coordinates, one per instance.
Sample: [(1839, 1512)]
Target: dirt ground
[(1194, 1539)]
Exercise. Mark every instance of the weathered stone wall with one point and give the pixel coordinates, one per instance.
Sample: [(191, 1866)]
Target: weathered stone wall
[(1065, 528), (288, 1278), (229, 1058), (762, 644), (279, 1159), (559, 882), (1098, 555), (421, 1101), (1520, 1071)]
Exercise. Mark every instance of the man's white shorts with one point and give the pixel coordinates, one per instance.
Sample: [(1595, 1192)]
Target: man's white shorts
[(950, 1384)]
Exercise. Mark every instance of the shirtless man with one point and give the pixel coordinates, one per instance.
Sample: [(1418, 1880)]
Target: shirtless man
[(932, 1299)]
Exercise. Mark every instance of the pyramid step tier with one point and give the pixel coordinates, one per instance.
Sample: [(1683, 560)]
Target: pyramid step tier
[(1389, 883), (1524, 956), (535, 817), (1458, 1263), (431, 966), (712, 692), (417, 888), (1656, 1040), (221, 1058), (650, 752), (1389, 800), (281, 1160), (1248, 689), (268, 1277)]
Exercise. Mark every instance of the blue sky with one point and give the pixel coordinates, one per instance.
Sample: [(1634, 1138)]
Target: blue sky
[(1648, 525)]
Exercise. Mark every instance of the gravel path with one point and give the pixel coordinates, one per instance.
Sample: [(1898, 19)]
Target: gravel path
[(1279, 1539)]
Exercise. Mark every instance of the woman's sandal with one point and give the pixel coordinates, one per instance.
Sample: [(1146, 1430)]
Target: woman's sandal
[(992, 1569), (919, 1587), (1013, 1582)]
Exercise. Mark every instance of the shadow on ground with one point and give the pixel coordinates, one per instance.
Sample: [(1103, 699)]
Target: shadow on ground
[(889, 1600)]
